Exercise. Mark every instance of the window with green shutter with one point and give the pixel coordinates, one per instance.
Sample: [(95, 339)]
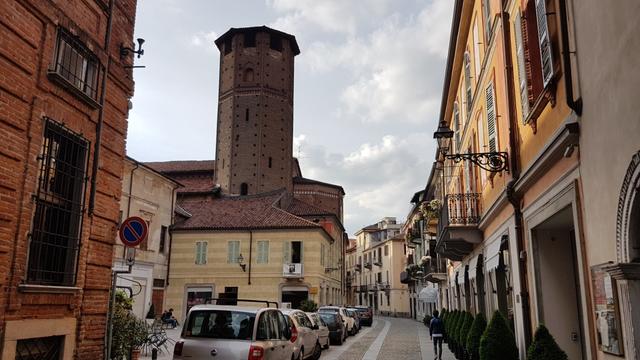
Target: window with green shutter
[(233, 251), (201, 252), (544, 42), (263, 252)]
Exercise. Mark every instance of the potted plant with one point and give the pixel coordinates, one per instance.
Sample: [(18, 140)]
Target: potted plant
[(473, 339), (464, 332), (129, 332), (497, 341), (544, 347), (308, 306)]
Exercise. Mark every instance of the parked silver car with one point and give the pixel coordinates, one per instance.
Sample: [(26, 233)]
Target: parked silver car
[(349, 322), (234, 333), (307, 344), (323, 329)]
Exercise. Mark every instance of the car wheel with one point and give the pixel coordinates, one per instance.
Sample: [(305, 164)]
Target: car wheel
[(328, 344), (317, 350)]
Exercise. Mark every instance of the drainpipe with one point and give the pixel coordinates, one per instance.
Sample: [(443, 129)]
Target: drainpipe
[(512, 196), (169, 231), (574, 104), (250, 254), (131, 188), (103, 90), (96, 154)]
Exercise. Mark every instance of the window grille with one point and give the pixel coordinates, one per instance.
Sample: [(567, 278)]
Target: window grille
[(59, 203), (159, 283), (76, 65), (45, 348)]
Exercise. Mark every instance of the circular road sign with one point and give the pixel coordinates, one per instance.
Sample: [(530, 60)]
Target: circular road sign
[(133, 231)]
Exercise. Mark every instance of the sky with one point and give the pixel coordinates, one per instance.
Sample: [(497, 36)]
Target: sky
[(367, 89)]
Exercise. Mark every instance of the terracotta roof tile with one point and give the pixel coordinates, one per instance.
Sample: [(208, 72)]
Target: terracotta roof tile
[(239, 212), (301, 208), (182, 165)]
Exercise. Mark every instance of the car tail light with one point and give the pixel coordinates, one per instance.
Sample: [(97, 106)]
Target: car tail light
[(256, 353), (177, 349), (294, 333)]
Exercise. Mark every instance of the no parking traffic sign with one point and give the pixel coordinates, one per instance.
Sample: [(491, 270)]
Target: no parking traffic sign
[(133, 231)]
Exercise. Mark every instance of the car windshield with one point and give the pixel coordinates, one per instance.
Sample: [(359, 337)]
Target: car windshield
[(220, 324), (328, 318), (365, 311), (329, 310)]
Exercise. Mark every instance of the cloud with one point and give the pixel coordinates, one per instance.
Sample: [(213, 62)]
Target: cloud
[(335, 16), (204, 39), (379, 178)]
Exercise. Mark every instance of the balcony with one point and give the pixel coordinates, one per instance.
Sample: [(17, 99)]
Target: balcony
[(363, 288), (358, 267), (368, 265), (372, 287), (405, 278), (458, 225), (377, 262), (292, 271)]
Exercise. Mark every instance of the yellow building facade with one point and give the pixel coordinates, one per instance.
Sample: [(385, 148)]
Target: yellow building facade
[(508, 176)]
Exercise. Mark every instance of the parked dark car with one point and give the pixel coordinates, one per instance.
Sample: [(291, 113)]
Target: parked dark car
[(337, 328), (366, 315)]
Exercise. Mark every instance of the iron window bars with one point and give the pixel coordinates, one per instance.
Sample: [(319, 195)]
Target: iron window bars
[(59, 205), (75, 67), (45, 348)]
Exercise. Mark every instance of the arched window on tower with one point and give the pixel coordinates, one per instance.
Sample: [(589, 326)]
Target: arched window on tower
[(244, 189), (248, 75)]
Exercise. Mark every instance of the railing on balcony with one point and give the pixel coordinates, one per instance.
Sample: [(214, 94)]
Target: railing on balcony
[(460, 209), (358, 267), (293, 270), (368, 265)]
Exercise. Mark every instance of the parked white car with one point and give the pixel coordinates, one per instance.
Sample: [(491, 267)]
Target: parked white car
[(349, 322), (306, 344), (234, 333), (323, 329)]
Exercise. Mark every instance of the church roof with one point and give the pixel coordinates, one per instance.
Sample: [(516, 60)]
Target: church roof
[(240, 212), (307, 181), (182, 166), (302, 208)]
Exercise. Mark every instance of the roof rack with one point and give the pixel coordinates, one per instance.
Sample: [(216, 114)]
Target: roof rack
[(234, 301)]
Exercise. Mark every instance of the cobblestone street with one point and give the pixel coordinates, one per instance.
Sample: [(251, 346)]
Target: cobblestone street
[(387, 338)]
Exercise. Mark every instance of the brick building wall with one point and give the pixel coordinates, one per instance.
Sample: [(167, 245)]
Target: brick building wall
[(326, 197), (35, 92), (255, 110)]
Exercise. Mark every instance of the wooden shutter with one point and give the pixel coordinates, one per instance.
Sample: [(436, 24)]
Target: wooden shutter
[(476, 50), (233, 250), (203, 252), (486, 11), (198, 249), (522, 73), (544, 42), (483, 175), (467, 82), (491, 118)]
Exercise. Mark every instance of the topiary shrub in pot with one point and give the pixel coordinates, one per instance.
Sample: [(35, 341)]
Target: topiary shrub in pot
[(444, 317), (544, 347), (426, 320), (497, 341), (464, 331), (473, 338), (447, 327), (456, 333), (452, 330)]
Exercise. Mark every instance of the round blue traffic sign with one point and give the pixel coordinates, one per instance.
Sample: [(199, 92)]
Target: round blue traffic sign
[(133, 231)]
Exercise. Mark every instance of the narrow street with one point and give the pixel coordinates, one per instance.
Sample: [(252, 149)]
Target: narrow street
[(387, 338)]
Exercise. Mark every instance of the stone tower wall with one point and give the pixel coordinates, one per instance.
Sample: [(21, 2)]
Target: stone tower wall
[(255, 112)]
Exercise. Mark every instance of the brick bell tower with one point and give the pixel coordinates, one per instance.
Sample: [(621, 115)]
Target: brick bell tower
[(254, 140)]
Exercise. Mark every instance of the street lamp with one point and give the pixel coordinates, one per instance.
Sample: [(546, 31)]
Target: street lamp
[(241, 263), (491, 161)]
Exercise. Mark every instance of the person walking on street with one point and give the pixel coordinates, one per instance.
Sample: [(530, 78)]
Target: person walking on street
[(436, 330)]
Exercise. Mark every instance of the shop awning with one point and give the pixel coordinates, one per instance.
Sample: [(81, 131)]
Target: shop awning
[(473, 265), (492, 252), (428, 295)]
